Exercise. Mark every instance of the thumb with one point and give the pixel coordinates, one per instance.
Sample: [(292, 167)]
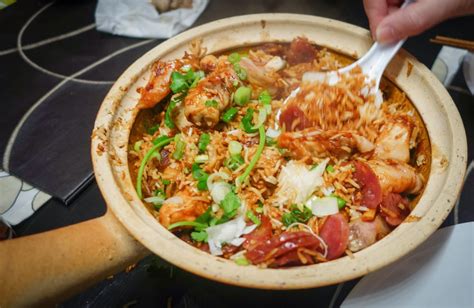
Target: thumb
[(412, 20)]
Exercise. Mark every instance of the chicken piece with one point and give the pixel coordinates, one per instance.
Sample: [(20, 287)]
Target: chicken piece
[(215, 88), (181, 207), (394, 140), (261, 75), (364, 233), (396, 177), (180, 119), (158, 86), (313, 142)]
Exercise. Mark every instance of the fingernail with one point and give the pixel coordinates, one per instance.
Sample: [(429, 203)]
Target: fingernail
[(385, 34)]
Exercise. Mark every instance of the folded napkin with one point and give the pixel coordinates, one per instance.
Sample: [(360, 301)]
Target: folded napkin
[(140, 18), (18, 200)]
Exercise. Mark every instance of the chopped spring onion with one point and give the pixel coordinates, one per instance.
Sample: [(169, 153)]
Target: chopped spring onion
[(180, 147), (204, 140), (297, 214), (262, 117), (155, 200), (187, 224), (198, 76), (166, 182), (241, 73), (234, 58), (340, 202), (160, 139), (235, 147), (247, 122), (200, 159), (211, 103), (273, 133), (201, 176), (230, 114), (173, 102), (330, 169), (242, 95), (152, 130), (323, 206), (199, 236), (241, 179), (253, 218), (242, 261), (137, 145), (143, 163), (265, 98), (234, 162)]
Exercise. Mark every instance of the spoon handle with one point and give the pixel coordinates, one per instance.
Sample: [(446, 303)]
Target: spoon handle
[(379, 55)]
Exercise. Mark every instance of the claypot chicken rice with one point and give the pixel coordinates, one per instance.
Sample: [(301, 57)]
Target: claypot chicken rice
[(227, 163)]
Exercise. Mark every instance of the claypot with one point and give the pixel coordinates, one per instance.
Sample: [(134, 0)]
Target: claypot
[(57, 261)]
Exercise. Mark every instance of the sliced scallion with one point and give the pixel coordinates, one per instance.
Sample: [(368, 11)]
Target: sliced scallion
[(242, 95), (137, 145), (230, 114), (261, 145), (235, 147), (143, 163), (180, 146), (201, 158), (187, 223)]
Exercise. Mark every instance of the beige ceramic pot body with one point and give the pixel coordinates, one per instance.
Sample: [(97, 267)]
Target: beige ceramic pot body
[(445, 128)]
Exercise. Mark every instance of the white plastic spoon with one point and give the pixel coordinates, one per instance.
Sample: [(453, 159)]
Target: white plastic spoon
[(373, 64)]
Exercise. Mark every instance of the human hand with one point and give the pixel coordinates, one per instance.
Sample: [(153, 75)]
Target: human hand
[(389, 23)]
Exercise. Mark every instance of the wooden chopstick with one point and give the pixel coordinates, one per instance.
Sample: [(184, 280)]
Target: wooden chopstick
[(443, 40)]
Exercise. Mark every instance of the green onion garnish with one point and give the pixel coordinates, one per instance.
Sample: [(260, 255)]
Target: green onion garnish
[(166, 182), (234, 162), (330, 169), (200, 175), (199, 236), (211, 103), (152, 130), (234, 58), (241, 73), (265, 98), (235, 147), (204, 140), (242, 261), (186, 223), (143, 163), (247, 121), (340, 202), (160, 139), (261, 145), (230, 114), (180, 146), (137, 145), (242, 95), (253, 218), (200, 159), (173, 102)]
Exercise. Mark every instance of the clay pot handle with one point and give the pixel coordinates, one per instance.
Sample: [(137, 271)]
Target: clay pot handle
[(45, 268)]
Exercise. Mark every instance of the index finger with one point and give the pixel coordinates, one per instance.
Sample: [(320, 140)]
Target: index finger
[(376, 10)]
